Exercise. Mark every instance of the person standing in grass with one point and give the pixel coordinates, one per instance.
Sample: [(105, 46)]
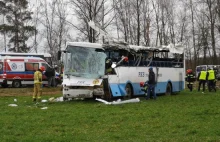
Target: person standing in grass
[(211, 79), (38, 84), (190, 78), (202, 77), (151, 84), (216, 77)]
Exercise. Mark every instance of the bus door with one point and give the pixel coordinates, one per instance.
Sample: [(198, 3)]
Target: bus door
[(181, 81)]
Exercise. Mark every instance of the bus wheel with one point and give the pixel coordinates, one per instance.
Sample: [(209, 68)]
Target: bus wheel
[(16, 84), (168, 89), (129, 91)]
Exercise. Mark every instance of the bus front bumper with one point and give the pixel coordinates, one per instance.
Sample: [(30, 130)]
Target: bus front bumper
[(82, 93)]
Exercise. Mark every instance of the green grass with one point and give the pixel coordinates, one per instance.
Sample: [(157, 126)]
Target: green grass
[(187, 116)]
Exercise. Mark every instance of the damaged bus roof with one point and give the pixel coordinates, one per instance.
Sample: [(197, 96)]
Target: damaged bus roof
[(177, 49), (85, 44)]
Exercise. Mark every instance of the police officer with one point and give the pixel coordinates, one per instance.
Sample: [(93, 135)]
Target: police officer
[(202, 79), (190, 78), (38, 84), (211, 79)]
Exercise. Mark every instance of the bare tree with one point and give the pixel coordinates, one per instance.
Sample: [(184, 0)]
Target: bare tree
[(218, 12), (86, 10), (212, 18), (53, 18)]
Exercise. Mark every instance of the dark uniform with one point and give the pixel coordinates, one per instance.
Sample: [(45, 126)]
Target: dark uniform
[(190, 78), (216, 72), (211, 79), (151, 84), (202, 79)]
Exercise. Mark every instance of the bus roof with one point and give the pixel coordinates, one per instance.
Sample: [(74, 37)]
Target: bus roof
[(179, 49), (85, 44), (25, 54)]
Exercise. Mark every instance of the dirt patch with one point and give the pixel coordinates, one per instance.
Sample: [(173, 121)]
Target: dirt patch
[(28, 91)]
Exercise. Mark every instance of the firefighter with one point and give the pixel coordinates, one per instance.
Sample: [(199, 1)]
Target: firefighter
[(190, 78), (202, 79), (211, 79), (38, 84)]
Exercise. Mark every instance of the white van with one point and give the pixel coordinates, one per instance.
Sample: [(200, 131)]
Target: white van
[(18, 71)]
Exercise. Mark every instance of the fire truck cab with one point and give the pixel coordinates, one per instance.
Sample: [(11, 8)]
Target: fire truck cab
[(19, 71)]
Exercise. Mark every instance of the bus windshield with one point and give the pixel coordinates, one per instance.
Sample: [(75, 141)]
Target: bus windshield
[(84, 62)]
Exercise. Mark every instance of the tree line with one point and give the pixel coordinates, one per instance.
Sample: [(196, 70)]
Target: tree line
[(194, 23)]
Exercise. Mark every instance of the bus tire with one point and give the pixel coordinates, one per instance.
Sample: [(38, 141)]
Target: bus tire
[(168, 89), (16, 84), (129, 91)]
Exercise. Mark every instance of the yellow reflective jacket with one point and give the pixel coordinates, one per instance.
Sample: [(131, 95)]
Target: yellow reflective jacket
[(202, 75), (38, 77), (211, 75)]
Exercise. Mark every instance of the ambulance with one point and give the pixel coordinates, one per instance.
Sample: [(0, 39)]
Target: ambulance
[(19, 71)]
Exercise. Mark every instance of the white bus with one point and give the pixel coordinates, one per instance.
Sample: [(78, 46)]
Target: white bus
[(46, 56), (84, 69)]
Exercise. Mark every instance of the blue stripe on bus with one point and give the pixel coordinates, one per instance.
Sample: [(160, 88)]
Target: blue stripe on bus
[(115, 90), (119, 89)]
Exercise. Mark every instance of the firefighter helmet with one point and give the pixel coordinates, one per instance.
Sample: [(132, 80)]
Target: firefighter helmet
[(189, 71), (42, 68), (141, 84)]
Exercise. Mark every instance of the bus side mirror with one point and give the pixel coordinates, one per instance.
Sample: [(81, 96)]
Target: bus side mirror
[(114, 65), (59, 55)]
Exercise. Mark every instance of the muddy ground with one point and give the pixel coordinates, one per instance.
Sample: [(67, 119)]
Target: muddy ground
[(28, 91)]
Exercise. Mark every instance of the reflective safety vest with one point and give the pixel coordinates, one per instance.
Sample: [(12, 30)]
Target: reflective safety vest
[(37, 77), (202, 75), (211, 75)]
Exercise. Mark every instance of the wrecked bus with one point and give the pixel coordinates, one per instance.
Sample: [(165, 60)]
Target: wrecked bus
[(85, 66)]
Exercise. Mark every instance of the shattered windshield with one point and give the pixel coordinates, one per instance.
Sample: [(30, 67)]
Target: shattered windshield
[(85, 62)]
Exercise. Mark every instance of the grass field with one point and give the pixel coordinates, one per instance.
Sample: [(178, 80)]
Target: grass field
[(187, 116)]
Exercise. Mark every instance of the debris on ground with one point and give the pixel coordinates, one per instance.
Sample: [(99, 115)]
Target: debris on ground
[(13, 105), (44, 108), (119, 101), (60, 99), (44, 101)]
